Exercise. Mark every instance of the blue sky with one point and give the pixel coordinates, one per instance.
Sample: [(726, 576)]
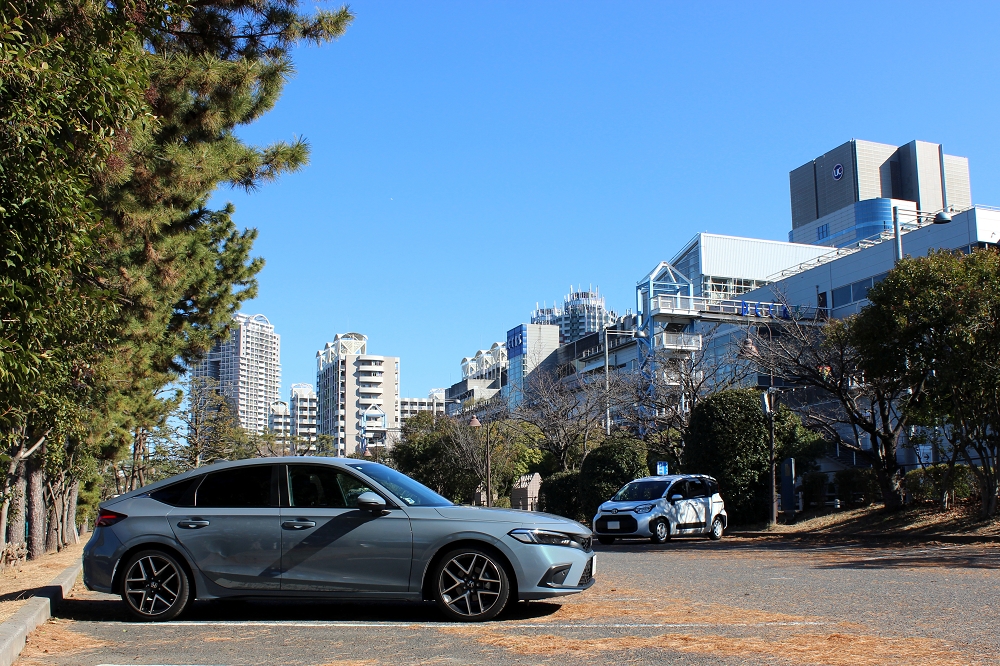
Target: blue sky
[(472, 158)]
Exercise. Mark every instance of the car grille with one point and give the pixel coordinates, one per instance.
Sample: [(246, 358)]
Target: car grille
[(586, 543), (588, 572), (626, 524)]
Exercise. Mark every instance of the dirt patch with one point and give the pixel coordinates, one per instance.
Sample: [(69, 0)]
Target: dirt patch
[(55, 638), (925, 519), (17, 585), (834, 649)]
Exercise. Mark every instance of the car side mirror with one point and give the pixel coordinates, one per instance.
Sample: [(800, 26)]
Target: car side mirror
[(675, 498), (370, 501)]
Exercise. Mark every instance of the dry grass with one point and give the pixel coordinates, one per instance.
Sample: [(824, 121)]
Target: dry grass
[(55, 638), (916, 519), (834, 649), (16, 585)]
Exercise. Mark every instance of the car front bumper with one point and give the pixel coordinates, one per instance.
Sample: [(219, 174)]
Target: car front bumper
[(542, 570)]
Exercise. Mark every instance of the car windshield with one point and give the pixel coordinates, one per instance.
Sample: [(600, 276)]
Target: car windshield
[(641, 490), (402, 486)]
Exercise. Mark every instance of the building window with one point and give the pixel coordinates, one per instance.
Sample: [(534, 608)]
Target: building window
[(822, 231)]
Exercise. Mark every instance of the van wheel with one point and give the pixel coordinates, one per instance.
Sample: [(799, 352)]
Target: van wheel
[(661, 532), (717, 529)]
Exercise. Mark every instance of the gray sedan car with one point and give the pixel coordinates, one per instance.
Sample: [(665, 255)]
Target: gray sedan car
[(330, 528)]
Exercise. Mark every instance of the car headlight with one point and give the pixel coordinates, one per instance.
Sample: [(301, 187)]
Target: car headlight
[(643, 508), (547, 538)]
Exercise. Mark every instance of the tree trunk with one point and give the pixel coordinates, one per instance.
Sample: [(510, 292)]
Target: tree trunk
[(16, 513), (52, 531), (35, 505), (72, 534)]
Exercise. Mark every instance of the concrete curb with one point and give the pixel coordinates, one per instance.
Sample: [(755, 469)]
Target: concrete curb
[(14, 631)]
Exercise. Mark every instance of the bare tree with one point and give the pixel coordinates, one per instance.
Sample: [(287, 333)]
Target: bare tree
[(568, 412), (824, 358)]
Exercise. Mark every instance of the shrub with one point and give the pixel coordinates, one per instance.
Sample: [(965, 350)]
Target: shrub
[(606, 469), (930, 484), (857, 486), (560, 494), (727, 438), (814, 489)]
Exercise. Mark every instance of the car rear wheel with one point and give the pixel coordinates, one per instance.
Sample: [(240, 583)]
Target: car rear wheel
[(155, 587), (661, 532), (607, 541), (717, 529), (471, 585)]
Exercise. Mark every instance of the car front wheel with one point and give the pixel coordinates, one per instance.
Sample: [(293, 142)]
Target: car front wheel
[(156, 586), (717, 529), (471, 585), (661, 532)]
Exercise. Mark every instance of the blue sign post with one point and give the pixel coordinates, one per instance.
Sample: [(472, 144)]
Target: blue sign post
[(661, 468)]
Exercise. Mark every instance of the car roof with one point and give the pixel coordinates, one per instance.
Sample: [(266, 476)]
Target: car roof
[(673, 477), (228, 464)]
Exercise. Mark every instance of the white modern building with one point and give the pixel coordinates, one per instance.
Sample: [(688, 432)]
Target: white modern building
[(304, 409), (358, 394), (433, 403), (247, 368), (279, 420), (583, 312)]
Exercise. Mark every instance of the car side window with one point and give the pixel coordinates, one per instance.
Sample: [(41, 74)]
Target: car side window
[(713, 486), (679, 488), (697, 488), (322, 486), (239, 488), (177, 494)]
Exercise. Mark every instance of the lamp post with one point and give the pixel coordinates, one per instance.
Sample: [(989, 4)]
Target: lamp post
[(941, 217), (476, 425), (607, 374)]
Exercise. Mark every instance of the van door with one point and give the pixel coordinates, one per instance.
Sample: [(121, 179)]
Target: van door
[(700, 494)]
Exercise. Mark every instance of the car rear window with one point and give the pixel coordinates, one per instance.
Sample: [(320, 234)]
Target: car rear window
[(177, 494), (243, 487)]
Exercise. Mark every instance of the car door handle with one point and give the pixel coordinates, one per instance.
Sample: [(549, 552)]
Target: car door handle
[(193, 524), (298, 524)]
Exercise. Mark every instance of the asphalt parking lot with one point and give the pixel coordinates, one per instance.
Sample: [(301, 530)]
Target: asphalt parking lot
[(738, 601)]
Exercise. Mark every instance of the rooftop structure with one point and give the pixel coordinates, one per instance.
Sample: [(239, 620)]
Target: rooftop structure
[(847, 194), (582, 313)]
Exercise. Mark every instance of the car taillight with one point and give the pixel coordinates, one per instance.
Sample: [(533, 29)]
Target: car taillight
[(108, 518)]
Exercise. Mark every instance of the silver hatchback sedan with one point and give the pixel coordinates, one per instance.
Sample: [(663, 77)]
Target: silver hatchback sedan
[(658, 507), (330, 528)]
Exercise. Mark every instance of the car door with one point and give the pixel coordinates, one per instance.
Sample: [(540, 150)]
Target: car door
[(686, 508), (232, 532), (700, 497), (329, 545)]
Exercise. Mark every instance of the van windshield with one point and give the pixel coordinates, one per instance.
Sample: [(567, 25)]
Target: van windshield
[(638, 491)]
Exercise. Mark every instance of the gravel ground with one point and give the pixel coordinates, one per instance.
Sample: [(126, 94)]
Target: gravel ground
[(739, 601)]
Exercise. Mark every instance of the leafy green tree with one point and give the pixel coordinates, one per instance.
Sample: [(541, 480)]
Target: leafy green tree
[(934, 323), (560, 494), (618, 460), (728, 439), (423, 452)]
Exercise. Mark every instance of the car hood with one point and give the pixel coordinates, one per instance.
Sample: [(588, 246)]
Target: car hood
[(492, 515), (622, 506)]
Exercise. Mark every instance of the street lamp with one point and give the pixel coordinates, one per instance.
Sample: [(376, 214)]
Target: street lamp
[(476, 425), (941, 217), (607, 374)]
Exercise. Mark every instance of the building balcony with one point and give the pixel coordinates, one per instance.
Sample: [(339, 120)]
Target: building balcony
[(678, 341)]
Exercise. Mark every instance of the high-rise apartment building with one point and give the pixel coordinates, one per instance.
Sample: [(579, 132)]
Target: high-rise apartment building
[(279, 420), (582, 313), (410, 407), (303, 414), (247, 369), (358, 394), (847, 194)]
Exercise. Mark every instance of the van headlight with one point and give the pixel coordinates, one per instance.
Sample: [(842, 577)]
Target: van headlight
[(547, 538), (643, 508)]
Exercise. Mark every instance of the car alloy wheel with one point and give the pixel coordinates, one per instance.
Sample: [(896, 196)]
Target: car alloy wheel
[(471, 585), (155, 586), (661, 532), (716, 533)]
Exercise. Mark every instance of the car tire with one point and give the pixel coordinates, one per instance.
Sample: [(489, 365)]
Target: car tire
[(155, 587), (471, 585), (715, 533), (607, 541), (661, 531)]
